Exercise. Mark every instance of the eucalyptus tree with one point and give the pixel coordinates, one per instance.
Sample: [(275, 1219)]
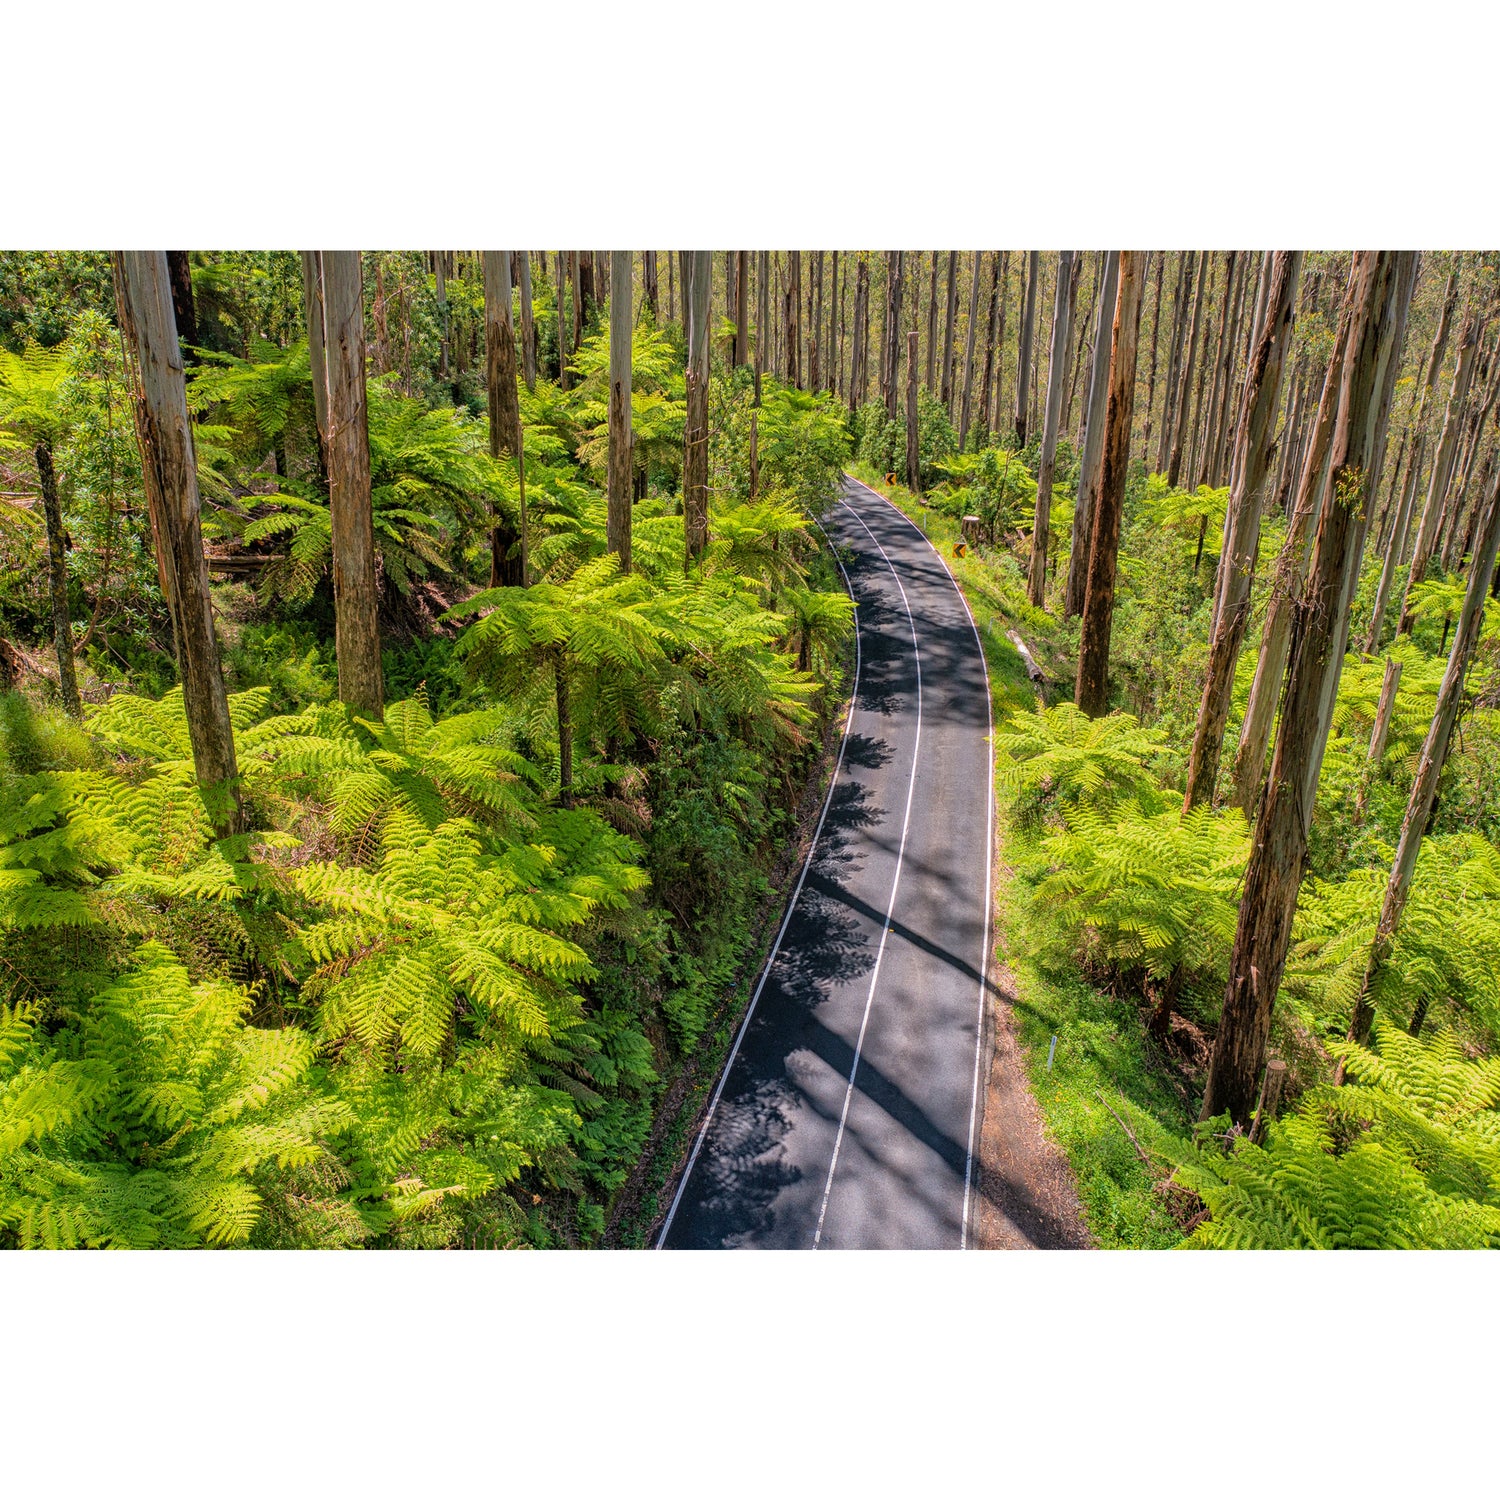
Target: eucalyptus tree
[(560, 281), (355, 600), (890, 369), (696, 295), (1430, 763), (164, 432), (762, 315), (508, 550), (1091, 690), (1372, 318), (1023, 347), (932, 323), (1286, 583), (1160, 258), (621, 322), (1252, 463), (949, 321), (184, 307), (528, 321), (1185, 377), (1057, 361), (793, 319), (859, 353), (1442, 467), (741, 307), (998, 261), (648, 283), (1092, 459), (1181, 294), (967, 408), (913, 441)]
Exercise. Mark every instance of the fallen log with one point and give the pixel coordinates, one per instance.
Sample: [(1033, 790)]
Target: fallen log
[(1033, 669)]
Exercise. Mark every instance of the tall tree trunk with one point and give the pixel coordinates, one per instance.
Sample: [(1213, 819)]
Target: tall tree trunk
[(621, 462), (1092, 460), (890, 373), (1381, 732), (997, 416), (815, 336), (1091, 691), (1442, 469), (987, 388), (1291, 437), (1394, 547), (1075, 364), (1286, 585), (508, 561), (57, 580), (1179, 437), (932, 323), (575, 277), (1057, 362), (1224, 369), (754, 455), (860, 384), (836, 327), (1023, 347), (695, 435), (1429, 768), (562, 325), (1161, 260), (164, 432), (183, 308), (355, 600), (440, 281), (1202, 397), (1456, 530), (1279, 848), (528, 322), (948, 326), (312, 311), (1253, 443), (648, 277), (741, 307), (966, 411), (793, 322), (588, 290), (913, 444), (762, 315), (1181, 294)]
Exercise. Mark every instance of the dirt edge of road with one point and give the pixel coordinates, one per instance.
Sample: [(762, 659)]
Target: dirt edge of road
[(1027, 1194)]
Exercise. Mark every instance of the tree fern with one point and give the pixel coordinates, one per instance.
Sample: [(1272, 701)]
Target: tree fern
[(1405, 1157), (1056, 759), (1446, 953), (152, 1122), (1145, 892)]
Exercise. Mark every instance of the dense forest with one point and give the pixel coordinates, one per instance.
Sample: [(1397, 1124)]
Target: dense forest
[(416, 670)]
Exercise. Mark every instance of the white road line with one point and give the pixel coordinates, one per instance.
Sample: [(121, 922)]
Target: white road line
[(989, 855), (911, 787), (785, 921)]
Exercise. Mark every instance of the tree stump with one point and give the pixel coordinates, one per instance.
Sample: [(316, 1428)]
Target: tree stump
[(973, 530)]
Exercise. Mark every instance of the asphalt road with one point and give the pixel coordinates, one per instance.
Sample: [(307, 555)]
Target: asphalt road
[(846, 1115)]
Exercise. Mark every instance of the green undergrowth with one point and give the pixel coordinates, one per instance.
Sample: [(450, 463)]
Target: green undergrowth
[(1105, 1060)]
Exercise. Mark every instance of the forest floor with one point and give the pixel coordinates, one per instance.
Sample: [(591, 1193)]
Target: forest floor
[(1071, 1154)]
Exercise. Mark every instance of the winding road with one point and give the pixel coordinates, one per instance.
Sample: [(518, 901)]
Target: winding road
[(847, 1114)]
